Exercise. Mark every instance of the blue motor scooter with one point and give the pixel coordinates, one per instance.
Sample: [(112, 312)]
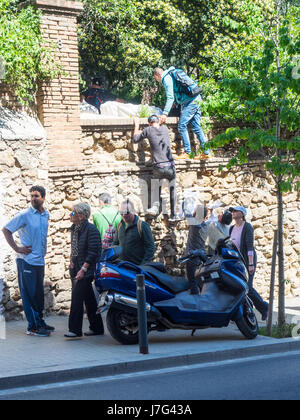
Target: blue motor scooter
[(169, 305)]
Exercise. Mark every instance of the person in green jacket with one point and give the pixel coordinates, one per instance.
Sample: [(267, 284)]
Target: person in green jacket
[(190, 112), (134, 236), (106, 216)]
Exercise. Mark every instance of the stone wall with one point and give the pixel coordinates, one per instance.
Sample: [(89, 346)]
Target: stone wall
[(78, 161), (23, 163), (239, 187), (111, 165), (108, 140)]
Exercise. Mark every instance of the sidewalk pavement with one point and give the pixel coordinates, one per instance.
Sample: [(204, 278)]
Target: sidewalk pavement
[(28, 361), (292, 308)]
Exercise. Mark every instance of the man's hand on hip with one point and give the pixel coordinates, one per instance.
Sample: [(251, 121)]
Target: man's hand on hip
[(25, 250)]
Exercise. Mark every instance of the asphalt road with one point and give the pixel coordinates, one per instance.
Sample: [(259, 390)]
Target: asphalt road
[(273, 377)]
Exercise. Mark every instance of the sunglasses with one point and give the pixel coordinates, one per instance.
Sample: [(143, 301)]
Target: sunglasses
[(125, 213)]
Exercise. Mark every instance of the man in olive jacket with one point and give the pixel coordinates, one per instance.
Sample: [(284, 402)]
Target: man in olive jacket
[(134, 236)]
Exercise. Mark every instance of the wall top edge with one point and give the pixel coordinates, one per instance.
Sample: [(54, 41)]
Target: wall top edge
[(118, 122), (61, 6)]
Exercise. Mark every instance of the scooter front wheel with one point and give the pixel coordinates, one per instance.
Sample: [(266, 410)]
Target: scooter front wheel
[(247, 324), (123, 326)]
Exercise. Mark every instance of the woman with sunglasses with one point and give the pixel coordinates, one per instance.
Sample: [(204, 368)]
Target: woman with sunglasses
[(85, 252)]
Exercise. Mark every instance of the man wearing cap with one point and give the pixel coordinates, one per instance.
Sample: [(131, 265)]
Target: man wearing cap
[(162, 160), (242, 235)]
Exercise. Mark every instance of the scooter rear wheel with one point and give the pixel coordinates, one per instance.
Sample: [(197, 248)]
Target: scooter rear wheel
[(122, 326), (248, 323)]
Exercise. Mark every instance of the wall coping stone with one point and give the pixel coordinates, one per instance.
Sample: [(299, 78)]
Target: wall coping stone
[(104, 123), (69, 7)]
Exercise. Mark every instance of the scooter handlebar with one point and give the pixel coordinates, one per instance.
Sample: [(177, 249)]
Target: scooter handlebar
[(198, 253)]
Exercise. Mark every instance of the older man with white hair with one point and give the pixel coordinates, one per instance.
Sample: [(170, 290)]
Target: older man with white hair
[(134, 236), (85, 252)]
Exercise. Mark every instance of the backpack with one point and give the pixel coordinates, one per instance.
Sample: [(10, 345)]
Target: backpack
[(92, 97), (109, 235), (97, 97), (186, 85), (139, 226)]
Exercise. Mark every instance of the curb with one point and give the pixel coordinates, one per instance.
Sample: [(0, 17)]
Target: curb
[(284, 345)]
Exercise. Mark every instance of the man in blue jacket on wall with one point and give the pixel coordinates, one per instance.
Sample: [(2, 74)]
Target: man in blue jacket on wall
[(190, 111)]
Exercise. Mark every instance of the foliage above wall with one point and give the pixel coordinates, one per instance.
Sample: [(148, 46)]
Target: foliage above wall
[(124, 40), (24, 60)]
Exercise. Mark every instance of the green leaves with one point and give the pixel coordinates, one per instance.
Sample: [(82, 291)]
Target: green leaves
[(26, 60), (125, 40), (265, 94)]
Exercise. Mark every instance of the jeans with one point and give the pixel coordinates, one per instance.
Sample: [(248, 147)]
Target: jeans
[(191, 114), (170, 175), (31, 285)]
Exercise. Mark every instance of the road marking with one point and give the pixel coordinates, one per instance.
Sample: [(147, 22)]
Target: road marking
[(124, 376)]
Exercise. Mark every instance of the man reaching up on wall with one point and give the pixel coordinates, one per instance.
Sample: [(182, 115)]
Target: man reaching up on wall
[(162, 161)]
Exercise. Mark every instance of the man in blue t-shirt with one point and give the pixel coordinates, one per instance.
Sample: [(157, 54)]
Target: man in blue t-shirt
[(32, 227)]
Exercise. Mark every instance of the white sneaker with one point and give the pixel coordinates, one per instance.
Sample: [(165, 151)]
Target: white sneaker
[(175, 218), (154, 210)]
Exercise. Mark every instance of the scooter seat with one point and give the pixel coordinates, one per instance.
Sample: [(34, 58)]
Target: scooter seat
[(174, 284), (157, 265)]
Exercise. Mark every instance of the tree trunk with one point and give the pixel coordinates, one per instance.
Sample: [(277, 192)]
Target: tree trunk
[(272, 284), (281, 297), (148, 95)]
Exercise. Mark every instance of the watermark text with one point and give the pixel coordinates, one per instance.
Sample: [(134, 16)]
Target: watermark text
[(2, 68)]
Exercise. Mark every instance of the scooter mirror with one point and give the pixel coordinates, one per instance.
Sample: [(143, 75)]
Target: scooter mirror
[(111, 254), (230, 253)]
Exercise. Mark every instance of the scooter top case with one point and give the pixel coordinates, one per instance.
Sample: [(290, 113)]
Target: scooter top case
[(227, 270)]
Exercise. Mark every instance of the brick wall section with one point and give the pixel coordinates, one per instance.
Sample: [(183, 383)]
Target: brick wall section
[(58, 101), (8, 99)]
